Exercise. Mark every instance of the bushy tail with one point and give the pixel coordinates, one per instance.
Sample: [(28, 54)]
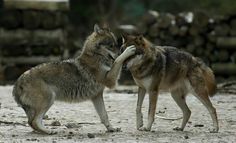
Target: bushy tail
[(209, 80)]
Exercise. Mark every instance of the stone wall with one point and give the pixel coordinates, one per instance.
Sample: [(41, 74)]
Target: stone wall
[(213, 39), (31, 32)]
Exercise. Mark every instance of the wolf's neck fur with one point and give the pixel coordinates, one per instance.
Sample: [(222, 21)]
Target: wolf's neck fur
[(143, 67)]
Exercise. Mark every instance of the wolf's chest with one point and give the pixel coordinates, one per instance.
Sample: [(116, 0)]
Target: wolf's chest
[(144, 83)]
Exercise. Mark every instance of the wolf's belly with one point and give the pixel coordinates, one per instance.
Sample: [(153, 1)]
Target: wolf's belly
[(78, 93), (164, 85)]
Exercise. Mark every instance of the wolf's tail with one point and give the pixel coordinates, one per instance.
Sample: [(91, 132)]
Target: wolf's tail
[(209, 78)]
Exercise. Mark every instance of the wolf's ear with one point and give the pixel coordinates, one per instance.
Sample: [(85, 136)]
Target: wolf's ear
[(124, 38), (97, 29)]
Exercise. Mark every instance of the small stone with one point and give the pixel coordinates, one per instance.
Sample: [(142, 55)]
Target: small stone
[(54, 141), (69, 137), (90, 135), (186, 137), (161, 111), (71, 133), (55, 123), (198, 125), (73, 125), (45, 117)]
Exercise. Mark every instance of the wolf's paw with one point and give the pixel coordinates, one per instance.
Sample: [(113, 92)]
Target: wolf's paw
[(47, 132), (178, 129), (129, 51), (139, 124), (52, 132), (144, 129), (111, 129), (215, 130)]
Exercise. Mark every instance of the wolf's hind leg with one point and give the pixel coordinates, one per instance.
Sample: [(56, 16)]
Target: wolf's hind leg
[(36, 123), (204, 98), (41, 105), (29, 112), (179, 96), (200, 91)]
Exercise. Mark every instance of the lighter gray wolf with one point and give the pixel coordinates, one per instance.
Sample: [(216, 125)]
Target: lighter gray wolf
[(74, 80), (165, 68)]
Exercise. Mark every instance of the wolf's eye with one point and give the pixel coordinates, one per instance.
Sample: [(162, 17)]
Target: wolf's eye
[(112, 45)]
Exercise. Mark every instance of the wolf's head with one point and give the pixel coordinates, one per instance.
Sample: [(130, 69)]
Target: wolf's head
[(141, 44), (101, 42)]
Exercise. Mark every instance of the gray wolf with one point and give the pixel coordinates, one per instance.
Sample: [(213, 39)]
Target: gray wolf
[(156, 68), (74, 80)]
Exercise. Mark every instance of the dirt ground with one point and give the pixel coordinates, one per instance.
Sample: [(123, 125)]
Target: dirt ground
[(78, 122)]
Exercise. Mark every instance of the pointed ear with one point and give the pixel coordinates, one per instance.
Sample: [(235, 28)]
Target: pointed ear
[(97, 29), (124, 38)]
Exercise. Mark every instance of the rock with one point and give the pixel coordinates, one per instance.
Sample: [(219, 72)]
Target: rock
[(71, 133), (55, 123), (45, 117), (198, 125), (161, 112), (73, 125), (186, 137), (90, 135)]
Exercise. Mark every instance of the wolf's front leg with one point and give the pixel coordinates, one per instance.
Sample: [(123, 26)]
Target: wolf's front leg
[(151, 111), (112, 75), (139, 115), (98, 103)]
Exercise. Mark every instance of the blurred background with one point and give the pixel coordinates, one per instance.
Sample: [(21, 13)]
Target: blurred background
[(33, 32)]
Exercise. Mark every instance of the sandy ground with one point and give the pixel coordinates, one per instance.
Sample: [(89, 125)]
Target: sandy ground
[(78, 122)]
